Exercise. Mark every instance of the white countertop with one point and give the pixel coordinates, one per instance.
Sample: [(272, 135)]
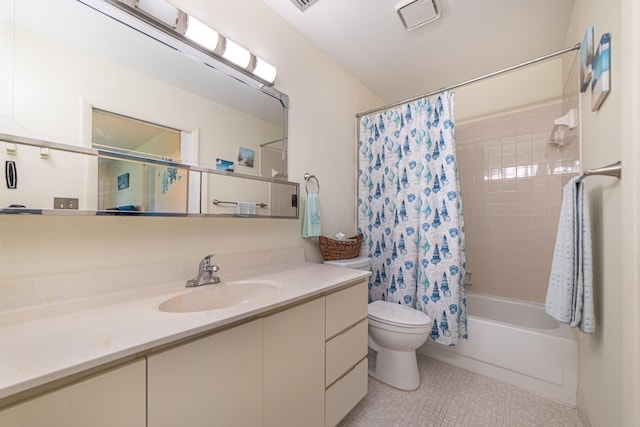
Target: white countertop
[(48, 342)]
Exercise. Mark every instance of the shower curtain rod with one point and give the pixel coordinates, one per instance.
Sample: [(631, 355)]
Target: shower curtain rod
[(476, 79), (270, 142)]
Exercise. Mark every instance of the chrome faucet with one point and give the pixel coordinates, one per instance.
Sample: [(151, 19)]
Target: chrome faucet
[(205, 274)]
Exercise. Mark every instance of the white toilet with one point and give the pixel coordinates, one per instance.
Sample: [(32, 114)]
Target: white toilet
[(395, 332)]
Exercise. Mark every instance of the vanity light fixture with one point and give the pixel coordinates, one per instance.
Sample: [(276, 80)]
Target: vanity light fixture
[(235, 53), (179, 24), (161, 10), (202, 34), (264, 70)]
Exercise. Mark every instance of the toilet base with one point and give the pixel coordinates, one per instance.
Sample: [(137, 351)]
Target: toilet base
[(398, 369)]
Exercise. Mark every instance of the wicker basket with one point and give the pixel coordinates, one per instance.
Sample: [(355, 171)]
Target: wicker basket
[(340, 249)]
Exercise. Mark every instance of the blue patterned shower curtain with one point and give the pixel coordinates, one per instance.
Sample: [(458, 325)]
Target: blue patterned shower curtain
[(410, 212)]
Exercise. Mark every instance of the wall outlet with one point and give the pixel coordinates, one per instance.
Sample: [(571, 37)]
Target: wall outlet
[(65, 203)]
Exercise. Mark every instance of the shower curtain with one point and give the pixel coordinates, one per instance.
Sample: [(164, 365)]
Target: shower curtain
[(410, 212)]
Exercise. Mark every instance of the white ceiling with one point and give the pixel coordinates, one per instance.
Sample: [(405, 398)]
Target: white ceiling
[(471, 38)]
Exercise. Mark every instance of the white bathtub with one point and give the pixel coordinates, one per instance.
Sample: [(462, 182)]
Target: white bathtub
[(515, 342)]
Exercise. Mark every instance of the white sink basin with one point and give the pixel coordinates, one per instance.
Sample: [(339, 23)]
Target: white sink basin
[(217, 296)]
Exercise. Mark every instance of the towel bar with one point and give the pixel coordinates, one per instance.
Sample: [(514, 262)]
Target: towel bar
[(216, 202), (614, 169)]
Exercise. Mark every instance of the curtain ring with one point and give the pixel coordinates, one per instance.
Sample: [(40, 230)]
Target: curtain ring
[(308, 177)]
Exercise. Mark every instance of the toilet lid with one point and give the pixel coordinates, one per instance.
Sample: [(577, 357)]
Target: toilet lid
[(361, 262), (397, 314)]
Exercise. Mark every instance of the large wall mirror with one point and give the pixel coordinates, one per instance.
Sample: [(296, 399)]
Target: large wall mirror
[(99, 117)]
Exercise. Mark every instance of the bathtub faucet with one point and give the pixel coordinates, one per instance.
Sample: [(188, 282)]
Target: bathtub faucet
[(205, 274)]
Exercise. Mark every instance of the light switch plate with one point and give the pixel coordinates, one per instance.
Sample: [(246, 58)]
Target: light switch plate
[(65, 203)]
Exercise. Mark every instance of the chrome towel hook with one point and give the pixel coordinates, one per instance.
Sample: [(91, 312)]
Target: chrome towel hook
[(308, 177)]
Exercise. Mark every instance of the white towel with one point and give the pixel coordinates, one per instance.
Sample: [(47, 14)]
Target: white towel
[(245, 208), (311, 221), (570, 292)]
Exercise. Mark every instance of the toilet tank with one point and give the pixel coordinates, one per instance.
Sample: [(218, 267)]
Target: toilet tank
[(358, 263)]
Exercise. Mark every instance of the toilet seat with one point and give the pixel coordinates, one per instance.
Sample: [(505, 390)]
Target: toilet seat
[(397, 315)]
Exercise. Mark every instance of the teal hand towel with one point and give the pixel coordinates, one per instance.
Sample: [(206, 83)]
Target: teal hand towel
[(311, 221)]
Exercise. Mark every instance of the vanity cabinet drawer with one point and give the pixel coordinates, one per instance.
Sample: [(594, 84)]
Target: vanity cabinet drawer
[(342, 396), (345, 308), (345, 350)]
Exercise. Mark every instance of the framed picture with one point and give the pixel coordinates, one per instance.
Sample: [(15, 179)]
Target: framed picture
[(586, 59), (224, 165), (601, 76), (123, 181), (245, 157)]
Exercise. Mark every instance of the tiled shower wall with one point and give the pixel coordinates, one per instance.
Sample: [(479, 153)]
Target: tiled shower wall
[(511, 182)]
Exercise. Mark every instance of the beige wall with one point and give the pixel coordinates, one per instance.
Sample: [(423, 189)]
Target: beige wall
[(324, 100), (608, 359), (516, 90), (631, 211)]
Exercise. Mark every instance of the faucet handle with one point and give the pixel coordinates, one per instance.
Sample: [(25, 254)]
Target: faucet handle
[(205, 263)]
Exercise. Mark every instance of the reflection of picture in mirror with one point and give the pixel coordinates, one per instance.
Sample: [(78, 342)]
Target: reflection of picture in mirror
[(224, 165), (245, 157), (123, 181), (168, 177)]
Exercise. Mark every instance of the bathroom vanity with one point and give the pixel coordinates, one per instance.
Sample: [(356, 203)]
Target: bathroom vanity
[(295, 356)]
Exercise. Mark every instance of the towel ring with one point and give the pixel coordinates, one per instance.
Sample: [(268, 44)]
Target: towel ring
[(308, 177)]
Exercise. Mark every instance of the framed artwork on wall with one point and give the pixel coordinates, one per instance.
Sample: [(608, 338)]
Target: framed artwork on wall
[(586, 59), (601, 76)]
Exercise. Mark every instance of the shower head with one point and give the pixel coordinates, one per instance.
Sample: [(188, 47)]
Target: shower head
[(562, 132)]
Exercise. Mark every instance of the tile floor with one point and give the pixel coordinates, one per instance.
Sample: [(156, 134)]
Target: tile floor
[(450, 396)]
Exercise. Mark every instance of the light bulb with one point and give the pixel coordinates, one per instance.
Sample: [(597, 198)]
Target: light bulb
[(161, 10), (201, 34), (264, 70), (235, 53)]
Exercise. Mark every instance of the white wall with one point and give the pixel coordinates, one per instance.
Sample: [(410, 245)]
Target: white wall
[(6, 58), (516, 90), (608, 359), (68, 172), (324, 100)]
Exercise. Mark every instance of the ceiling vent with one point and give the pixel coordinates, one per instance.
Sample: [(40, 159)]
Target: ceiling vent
[(416, 13), (303, 4)]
